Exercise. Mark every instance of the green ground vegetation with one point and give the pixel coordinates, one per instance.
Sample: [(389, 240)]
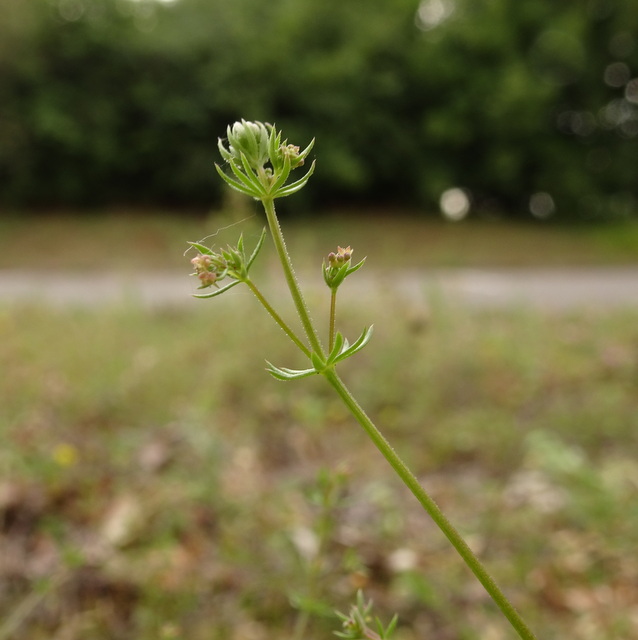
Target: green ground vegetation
[(155, 482)]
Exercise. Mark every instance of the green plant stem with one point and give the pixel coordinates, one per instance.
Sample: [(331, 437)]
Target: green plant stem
[(408, 478), (333, 310), (431, 507), (291, 280), (277, 318)]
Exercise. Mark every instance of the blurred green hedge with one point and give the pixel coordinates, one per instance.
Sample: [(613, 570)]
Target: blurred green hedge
[(122, 101)]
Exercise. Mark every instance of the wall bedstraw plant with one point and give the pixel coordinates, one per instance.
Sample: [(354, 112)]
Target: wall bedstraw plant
[(261, 164)]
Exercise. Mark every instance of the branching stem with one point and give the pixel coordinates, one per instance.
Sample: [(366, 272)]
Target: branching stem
[(291, 279), (408, 478), (277, 318), (250, 144)]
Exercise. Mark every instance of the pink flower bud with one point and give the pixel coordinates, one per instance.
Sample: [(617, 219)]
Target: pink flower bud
[(207, 278)]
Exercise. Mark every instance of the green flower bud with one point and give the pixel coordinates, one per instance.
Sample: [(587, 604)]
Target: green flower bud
[(252, 146), (293, 153), (247, 138), (337, 266)]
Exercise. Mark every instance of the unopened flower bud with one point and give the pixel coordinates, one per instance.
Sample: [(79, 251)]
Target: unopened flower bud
[(207, 278), (249, 139), (293, 153), (340, 258), (336, 267), (344, 254), (201, 263)]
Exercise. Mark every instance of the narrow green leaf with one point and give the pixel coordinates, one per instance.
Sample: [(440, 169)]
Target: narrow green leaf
[(274, 142), (283, 373), (325, 272), (336, 349), (248, 179), (257, 248), (295, 186), (251, 175), (304, 154), (222, 150), (217, 292), (202, 249), (340, 276), (356, 267), (361, 342), (285, 172), (235, 184), (393, 625), (235, 255)]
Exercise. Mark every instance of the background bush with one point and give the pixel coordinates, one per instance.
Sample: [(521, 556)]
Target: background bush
[(121, 101)]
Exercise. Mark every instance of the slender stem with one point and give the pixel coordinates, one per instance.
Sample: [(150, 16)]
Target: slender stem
[(408, 478), (276, 317), (431, 507), (289, 273), (333, 308)]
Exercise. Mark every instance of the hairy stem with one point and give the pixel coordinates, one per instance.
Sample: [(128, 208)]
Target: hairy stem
[(431, 507), (333, 310), (408, 478), (291, 280)]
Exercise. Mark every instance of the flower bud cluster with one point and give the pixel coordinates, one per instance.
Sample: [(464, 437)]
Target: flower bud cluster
[(337, 266), (336, 260), (260, 161), (209, 268), (293, 153)]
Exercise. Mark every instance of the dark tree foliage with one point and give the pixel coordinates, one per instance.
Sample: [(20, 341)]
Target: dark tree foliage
[(121, 101)]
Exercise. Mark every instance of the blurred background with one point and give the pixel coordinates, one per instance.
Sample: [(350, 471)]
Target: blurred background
[(519, 110), (155, 483)]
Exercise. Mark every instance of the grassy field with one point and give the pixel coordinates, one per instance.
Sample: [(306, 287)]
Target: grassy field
[(155, 241), (156, 483)]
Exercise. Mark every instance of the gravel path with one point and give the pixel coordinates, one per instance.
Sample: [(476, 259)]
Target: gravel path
[(557, 289)]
